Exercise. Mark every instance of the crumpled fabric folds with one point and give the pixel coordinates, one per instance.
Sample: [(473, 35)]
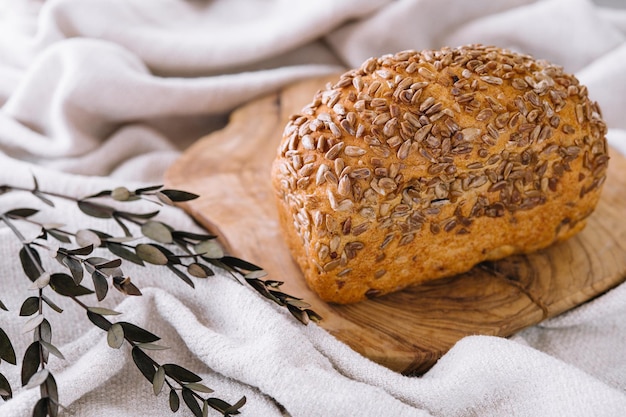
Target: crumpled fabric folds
[(107, 93)]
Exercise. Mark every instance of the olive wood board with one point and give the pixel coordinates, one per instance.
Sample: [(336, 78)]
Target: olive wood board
[(410, 330)]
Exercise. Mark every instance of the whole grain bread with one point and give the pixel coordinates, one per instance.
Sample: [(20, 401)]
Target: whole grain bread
[(420, 165)]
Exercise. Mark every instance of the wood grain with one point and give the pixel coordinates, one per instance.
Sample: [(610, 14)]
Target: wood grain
[(409, 330)]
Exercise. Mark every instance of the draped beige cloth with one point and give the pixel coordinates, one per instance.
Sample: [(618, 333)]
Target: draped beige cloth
[(96, 94)]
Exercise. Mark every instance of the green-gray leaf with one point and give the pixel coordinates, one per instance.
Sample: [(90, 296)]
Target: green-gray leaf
[(5, 388), (120, 194), (32, 323), (122, 252), (151, 254), (158, 381), (196, 386), (37, 379), (53, 395), (29, 265), (100, 211), (199, 270), (115, 336), (64, 284), (31, 362), (6, 348), (210, 249), (157, 231), (144, 363), (103, 311), (75, 267), (100, 284), (256, 274), (52, 349), (234, 409), (178, 195), (21, 212), (180, 373), (174, 401), (87, 237), (44, 333), (152, 346), (41, 407), (58, 236), (137, 334), (30, 306), (191, 402), (51, 304)]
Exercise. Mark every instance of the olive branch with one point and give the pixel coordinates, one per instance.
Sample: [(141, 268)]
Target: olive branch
[(187, 255)]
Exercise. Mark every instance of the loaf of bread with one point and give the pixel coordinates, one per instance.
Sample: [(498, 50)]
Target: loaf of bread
[(420, 165)]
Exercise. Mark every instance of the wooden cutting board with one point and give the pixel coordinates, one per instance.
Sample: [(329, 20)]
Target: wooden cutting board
[(406, 331)]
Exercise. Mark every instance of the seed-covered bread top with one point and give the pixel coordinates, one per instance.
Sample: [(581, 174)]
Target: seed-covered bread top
[(420, 165)]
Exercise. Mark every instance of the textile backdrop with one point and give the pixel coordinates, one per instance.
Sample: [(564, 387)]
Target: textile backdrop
[(97, 94)]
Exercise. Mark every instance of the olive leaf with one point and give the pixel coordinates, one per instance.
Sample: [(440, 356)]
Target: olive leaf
[(144, 363), (30, 259), (31, 362), (5, 388), (223, 407), (180, 274), (121, 194), (75, 267), (41, 407), (44, 332), (181, 374), (52, 349), (149, 189), (98, 320), (198, 387), (86, 237), (64, 284), (151, 346), (30, 306), (119, 250), (21, 213), (151, 254), (37, 379), (103, 311), (7, 353), (137, 334), (100, 211), (32, 323), (191, 402), (58, 236), (53, 395), (234, 409), (157, 231), (158, 381), (174, 401), (179, 196), (240, 264), (199, 270), (100, 284), (115, 336), (209, 249), (51, 304)]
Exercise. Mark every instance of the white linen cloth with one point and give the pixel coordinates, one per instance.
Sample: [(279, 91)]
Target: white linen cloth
[(96, 94)]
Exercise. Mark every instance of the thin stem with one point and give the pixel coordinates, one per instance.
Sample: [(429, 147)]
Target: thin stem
[(48, 193)]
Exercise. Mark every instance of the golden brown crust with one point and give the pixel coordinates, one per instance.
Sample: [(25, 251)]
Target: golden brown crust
[(420, 165)]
